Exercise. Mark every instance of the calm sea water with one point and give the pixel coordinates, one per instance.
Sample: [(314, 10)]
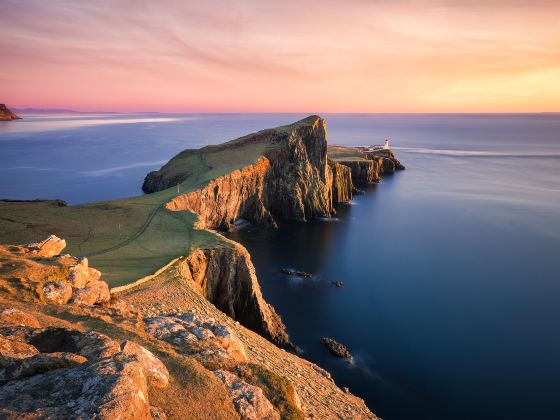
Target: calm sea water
[(451, 269)]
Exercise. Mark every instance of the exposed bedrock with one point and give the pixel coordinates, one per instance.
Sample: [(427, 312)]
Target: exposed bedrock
[(389, 163), (291, 181), (363, 171), (238, 194), (342, 186), (226, 277), (298, 182)]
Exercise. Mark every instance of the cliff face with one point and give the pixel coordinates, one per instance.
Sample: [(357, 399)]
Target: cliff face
[(290, 179), (238, 194), (298, 182), (226, 277), (342, 185), (6, 114), (363, 171)]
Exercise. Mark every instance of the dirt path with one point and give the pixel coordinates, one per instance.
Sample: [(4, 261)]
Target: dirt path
[(130, 238)]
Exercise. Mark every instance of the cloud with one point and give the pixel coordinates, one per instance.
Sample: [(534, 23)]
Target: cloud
[(304, 55)]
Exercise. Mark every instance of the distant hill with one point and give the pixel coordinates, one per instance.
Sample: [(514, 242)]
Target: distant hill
[(58, 111)]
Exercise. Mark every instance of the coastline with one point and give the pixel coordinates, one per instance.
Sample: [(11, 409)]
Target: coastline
[(255, 206)]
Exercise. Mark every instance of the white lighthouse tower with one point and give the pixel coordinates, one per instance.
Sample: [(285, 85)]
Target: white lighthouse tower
[(386, 145)]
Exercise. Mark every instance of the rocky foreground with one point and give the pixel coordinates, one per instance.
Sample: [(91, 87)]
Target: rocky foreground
[(159, 350), (6, 114)]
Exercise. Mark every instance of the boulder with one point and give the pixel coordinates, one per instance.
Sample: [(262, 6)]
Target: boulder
[(336, 348), (81, 274), (94, 292), (49, 247), (155, 370), (19, 368), (57, 292), (13, 317), (11, 350), (110, 388), (65, 373), (249, 400), (213, 345)]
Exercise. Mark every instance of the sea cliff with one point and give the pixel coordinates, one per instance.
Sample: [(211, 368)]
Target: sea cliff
[(196, 338)]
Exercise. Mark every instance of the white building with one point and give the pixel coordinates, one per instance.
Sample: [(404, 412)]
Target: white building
[(386, 145)]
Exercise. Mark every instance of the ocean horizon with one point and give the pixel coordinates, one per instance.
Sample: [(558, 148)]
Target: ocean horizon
[(450, 300)]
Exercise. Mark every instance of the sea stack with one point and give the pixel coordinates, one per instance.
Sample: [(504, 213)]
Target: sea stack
[(7, 115)]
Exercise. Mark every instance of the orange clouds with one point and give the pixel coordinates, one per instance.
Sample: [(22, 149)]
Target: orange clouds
[(305, 56)]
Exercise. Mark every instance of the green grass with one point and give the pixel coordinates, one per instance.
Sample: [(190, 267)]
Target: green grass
[(130, 238)]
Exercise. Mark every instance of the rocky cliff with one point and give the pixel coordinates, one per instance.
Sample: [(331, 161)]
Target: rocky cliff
[(226, 277), (238, 194), (6, 114), (288, 179), (366, 167), (363, 171), (298, 182), (342, 185)]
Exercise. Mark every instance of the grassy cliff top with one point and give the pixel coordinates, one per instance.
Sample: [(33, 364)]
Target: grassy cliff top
[(131, 238)]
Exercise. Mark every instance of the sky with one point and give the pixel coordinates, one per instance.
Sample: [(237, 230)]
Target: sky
[(281, 56)]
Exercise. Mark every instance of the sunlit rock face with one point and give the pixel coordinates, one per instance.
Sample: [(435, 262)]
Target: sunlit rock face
[(291, 180)]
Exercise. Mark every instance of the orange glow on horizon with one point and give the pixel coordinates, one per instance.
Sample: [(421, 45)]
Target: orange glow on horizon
[(304, 56)]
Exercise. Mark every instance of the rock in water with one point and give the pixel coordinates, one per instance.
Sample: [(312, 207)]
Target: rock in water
[(297, 273), (336, 348), (7, 115)]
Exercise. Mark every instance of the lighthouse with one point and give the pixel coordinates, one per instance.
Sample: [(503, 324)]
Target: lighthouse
[(386, 145)]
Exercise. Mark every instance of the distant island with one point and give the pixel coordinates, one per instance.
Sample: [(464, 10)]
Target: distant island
[(58, 111), (7, 115)]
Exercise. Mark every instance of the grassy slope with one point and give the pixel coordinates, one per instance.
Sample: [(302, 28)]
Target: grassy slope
[(130, 238)]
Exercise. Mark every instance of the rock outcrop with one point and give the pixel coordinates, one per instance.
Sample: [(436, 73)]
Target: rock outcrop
[(342, 186), (38, 272), (363, 171), (66, 373), (213, 345), (337, 349), (249, 400), (49, 247), (226, 277), (298, 182), (239, 194), (6, 114)]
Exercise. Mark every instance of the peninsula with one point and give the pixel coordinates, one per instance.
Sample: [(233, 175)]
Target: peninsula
[(180, 328)]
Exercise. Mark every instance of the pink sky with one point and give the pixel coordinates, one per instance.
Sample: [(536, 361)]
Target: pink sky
[(281, 56)]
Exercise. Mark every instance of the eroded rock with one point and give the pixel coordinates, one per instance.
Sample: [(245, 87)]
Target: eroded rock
[(13, 317), (249, 400), (154, 369), (212, 344), (336, 348), (66, 373), (49, 247)]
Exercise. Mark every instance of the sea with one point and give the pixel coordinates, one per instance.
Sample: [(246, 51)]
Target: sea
[(450, 301)]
